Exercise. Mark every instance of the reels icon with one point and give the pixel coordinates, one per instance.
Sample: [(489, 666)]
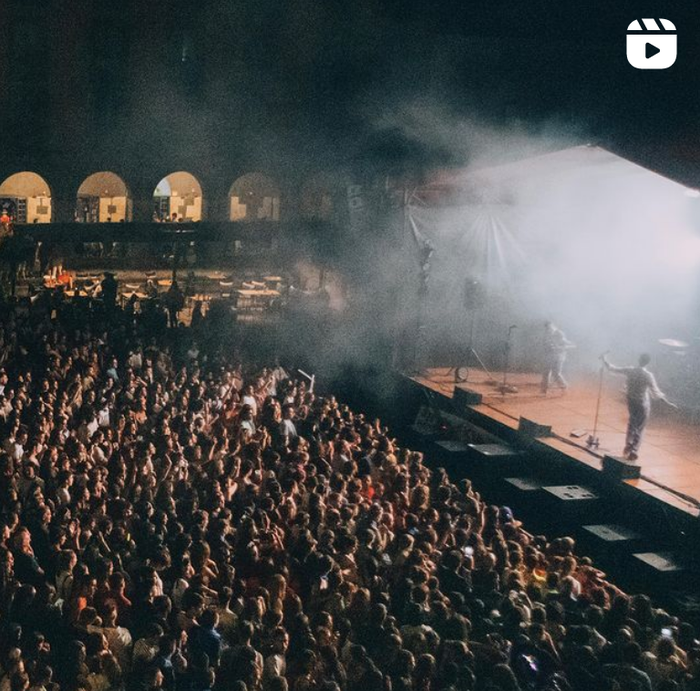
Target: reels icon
[(651, 44)]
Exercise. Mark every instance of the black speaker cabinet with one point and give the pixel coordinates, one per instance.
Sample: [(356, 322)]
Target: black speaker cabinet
[(464, 398), (621, 468), (534, 429)]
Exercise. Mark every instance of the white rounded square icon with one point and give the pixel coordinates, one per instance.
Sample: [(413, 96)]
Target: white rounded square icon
[(651, 44)]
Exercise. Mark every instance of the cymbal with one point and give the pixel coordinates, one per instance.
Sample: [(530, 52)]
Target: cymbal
[(673, 343)]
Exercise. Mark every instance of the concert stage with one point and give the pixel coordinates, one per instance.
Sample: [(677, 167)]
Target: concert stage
[(670, 452)]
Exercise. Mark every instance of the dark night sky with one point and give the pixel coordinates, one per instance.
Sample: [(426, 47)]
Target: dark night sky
[(326, 72)]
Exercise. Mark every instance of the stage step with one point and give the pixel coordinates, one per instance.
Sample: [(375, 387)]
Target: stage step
[(491, 452), (523, 485), (452, 455), (453, 447), (660, 562), (567, 506), (660, 569), (489, 463), (486, 463), (608, 542), (524, 494), (494, 451), (423, 432)]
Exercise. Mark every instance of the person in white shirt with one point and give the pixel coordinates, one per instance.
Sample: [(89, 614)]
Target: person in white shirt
[(118, 637), (5, 405), (193, 352), (135, 360), (556, 345), (276, 663), (88, 427), (146, 648), (16, 450), (641, 387), (249, 399), (276, 376), (287, 428), (247, 420)]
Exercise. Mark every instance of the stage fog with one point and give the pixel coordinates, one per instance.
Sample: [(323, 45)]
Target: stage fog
[(606, 249)]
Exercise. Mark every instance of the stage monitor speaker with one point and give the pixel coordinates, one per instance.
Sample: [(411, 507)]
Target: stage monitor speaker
[(621, 468), (534, 429), (464, 398)]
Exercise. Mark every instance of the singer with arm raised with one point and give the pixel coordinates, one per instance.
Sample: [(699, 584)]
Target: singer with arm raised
[(641, 387), (556, 344)]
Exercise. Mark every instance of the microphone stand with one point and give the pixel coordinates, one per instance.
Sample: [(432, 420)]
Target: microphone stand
[(593, 442), (505, 387), (461, 372)]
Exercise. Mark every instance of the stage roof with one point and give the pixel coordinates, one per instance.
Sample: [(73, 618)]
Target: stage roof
[(486, 183)]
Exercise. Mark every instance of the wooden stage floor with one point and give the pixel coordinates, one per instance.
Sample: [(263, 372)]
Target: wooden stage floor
[(670, 452)]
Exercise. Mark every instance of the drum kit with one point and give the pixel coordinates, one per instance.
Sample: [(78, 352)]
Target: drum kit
[(674, 344)]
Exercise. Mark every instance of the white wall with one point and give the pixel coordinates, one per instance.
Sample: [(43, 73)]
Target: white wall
[(120, 213), (262, 209), (192, 212), (33, 206)]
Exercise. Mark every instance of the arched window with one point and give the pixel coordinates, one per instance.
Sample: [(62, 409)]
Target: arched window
[(103, 198), (178, 197), (254, 197), (26, 197), (317, 198)]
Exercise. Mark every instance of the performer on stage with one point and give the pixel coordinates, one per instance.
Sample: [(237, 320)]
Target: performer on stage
[(555, 346), (641, 386)]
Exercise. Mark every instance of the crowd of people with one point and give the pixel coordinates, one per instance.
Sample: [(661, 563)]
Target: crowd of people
[(175, 515)]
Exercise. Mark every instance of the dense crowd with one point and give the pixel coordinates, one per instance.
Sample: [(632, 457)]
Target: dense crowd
[(171, 519)]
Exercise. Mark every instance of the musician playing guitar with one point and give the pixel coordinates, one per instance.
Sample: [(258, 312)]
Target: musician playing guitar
[(556, 344)]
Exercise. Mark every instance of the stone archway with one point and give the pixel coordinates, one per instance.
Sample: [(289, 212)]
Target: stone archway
[(26, 197), (103, 198), (178, 197), (316, 199), (254, 197)]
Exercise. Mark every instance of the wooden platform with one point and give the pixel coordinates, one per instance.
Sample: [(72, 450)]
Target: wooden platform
[(670, 453)]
